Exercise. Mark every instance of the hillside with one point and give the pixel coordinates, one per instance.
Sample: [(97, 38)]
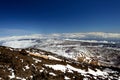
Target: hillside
[(36, 64)]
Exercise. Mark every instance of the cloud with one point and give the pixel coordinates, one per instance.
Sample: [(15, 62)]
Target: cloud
[(19, 44)]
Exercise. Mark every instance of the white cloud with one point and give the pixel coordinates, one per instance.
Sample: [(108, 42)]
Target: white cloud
[(19, 44), (29, 40)]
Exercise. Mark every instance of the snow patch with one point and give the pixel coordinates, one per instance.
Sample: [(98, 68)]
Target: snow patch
[(52, 74), (27, 67), (37, 60), (54, 58), (57, 67), (67, 78), (20, 78), (21, 60), (63, 68), (12, 73)]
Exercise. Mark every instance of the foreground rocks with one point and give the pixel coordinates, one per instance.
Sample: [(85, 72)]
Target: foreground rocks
[(35, 64)]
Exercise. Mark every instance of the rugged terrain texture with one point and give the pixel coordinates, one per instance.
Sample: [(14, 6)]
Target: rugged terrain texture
[(105, 54), (35, 64)]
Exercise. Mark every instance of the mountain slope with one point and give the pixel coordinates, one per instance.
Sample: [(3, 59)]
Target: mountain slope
[(36, 64)]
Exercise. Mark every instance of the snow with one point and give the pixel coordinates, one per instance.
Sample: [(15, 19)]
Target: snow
[(11, 49), (12, 73), (37, 60), (90, 71), (39, 55), (67, 78), (54, 58), (20, 78), (63, 68), (74, 53), (57, 67), (23, 69), (21, 60), (31, 77), (85, 79), (33, 65), (109, 70), (58, 51), (119, 78), (41, 70), (27, 67), (98, 72), (52, 74), (12, 76)]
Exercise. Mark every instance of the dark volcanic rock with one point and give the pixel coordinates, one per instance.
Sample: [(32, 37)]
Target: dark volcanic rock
[(18, 65), (23, 52)]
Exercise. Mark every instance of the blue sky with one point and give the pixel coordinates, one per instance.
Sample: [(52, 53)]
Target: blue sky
[(20, 17)]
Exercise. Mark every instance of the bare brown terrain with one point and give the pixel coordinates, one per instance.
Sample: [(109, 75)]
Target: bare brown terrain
[(34, 64)]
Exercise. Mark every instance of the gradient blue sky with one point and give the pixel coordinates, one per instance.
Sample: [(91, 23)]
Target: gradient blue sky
[(19, 17)]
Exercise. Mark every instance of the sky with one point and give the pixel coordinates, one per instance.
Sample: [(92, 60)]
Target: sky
[(22, 17)]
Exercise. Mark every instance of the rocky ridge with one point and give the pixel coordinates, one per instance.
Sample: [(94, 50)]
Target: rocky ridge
[(36, 64)]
